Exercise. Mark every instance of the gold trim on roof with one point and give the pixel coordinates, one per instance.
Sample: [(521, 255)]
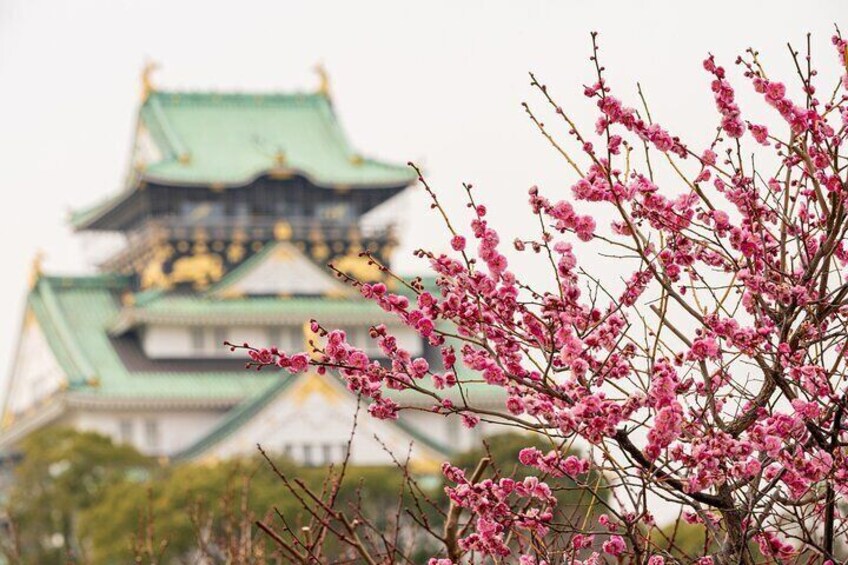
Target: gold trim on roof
[(146, 79), (323, 80), (36, 269)]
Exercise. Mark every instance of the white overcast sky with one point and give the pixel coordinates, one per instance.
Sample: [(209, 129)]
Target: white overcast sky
[(439, 82)]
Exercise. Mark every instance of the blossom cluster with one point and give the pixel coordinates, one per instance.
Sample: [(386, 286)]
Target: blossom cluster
[(722, 347)]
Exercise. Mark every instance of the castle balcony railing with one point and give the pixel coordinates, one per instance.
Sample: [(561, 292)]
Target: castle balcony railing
[(261, 228), (176, 228)]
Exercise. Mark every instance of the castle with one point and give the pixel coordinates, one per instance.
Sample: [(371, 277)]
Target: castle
[(233, 205)]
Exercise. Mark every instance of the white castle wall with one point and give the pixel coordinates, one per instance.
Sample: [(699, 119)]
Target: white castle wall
[(153, 432), (36, 374)]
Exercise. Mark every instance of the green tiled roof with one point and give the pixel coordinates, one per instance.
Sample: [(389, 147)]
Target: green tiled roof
[(75, 313), (228, 139), (232, 138), (261, 310)]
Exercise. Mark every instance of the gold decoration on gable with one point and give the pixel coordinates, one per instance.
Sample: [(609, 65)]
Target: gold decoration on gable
[(314, 384), (200, 247), (358, 266), (282, 231), (235, 252), (147, 87), (29, 318), (315, 234), (153, 275), (323, 80), (200, 269), (337, 292), (320, 251), (280, 173), (8, 419), (36, 269)]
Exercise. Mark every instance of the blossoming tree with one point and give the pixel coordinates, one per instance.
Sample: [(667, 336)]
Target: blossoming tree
[(714, 381)]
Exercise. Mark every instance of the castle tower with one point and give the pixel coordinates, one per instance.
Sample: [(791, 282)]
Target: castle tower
[(233, 206)]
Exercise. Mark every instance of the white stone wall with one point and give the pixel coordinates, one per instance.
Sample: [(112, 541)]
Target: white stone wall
[(311, 422), (154, 432), (180, 342), (36, 373), (447, 430)]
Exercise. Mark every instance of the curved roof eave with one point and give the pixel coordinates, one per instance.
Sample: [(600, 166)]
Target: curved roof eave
[(98, 211)]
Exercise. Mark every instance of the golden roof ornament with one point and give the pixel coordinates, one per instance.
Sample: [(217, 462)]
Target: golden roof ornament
[(323, 80), (36, 269), (146, 79), (282, 230)]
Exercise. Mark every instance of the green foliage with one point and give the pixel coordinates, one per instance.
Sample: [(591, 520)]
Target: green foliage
[(218, 497), (682, 539), (64, 472), (109, 504)]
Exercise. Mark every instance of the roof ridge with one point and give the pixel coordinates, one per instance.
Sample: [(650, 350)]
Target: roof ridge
[(98, 280), (178, 96)]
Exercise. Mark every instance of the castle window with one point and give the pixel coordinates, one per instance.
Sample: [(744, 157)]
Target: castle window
[(220, 337), (333, 211), (125, 431), (286, 338), (198, 339), (327, 453), (151, 434), (307, 455), (274, 337)]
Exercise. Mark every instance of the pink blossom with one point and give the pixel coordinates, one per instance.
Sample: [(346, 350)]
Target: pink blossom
[(615, 546)]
